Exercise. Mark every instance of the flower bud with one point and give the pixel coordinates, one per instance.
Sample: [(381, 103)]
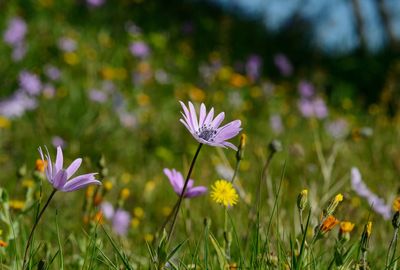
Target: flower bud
[(242, 144), (365, 236), (346, 228), (334, 204), (302, 200), (396, 220), (275, 146)]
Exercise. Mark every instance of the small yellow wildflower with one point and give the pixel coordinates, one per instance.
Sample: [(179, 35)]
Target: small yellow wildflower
[(338, 198), (329, 223), (238, 80), (346, 226), (4, 122), (27, 183), (125, 193), (135, 223), (17, 204), (138, 212), (369, 228), (40, 165), (149, 187), (71, 58), (107, 185), (224, 193), (396, 204), (166, 211), (148, 237)]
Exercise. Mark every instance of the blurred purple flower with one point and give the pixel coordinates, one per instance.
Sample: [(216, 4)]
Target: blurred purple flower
[(30, 82), (306, 89), (67, 44), (57, 141), (58, 176), (276, 123), (139, 49), (16, 31), (283, 64), (377, 204), (177, 183), (253, 67), (95, 3), (97, 96), (120, 218), (313, 108), (19, 51), (17, 104), (338, 129), (207, 129), (52, 72)]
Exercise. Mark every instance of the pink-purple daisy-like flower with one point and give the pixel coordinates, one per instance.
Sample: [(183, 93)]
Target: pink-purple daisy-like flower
[(207, 129), (58, 176), (119, 218), (177, 183)]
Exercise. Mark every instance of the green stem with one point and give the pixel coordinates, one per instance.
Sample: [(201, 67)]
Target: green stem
[(183, 192), (392, 249), (28, 243)]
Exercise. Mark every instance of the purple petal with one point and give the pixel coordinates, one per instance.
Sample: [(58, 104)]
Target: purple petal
[(231, 145), (195, 192), (172, 179), (218, 120), (80, 182), (59, 159), (73, 167), (193, 116), (209, 117), (228, 131), (187, 114), (60, 179), (202, 114), (121, 222)]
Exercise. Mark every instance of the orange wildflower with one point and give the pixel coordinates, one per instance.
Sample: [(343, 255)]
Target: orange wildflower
[(329, 223)]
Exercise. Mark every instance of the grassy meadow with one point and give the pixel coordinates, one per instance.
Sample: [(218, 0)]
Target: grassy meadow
[(314, 184)]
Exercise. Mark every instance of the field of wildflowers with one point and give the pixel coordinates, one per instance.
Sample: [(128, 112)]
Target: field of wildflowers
[(136, 143)]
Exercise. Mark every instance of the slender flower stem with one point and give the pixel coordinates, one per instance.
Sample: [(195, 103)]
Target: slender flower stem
[(236, 171), (301, 220), (183, 192), (392, 249), (28, 243)]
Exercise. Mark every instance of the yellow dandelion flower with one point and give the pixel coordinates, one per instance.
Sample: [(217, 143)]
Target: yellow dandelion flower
[(27, 183), (17, 204), (108, 185), (224, 193), (71, 58), (346, 226), (338, 198)]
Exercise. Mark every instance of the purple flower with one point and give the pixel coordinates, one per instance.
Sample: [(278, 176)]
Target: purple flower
[(253, 67), (177, 183), (206, 130), (283, 64), (58, 176), (377, 204), (95, 3), (67, 44), (30, 83), (16, 31), (306, 89), (97, 96), (139, 49), (17, 104), (313, 108), (52, 72), (120, 218)]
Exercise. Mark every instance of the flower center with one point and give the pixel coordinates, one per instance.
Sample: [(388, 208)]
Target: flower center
[(206, 133)]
